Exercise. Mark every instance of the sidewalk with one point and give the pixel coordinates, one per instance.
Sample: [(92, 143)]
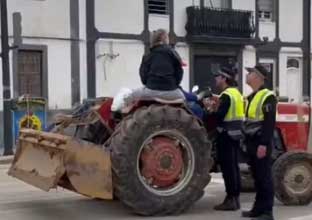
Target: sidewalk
[(6, 159)]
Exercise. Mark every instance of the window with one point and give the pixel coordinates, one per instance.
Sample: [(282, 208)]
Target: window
[(270, 68), (158, 7), (292, 63), (294, 83), (30, 73), (265, 15), (266, 10)]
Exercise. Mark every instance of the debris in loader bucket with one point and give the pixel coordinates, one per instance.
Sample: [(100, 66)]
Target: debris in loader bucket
[(47, 160)]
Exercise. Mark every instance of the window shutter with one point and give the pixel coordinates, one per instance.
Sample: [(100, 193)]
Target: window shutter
[(30, 73), (158, 7)]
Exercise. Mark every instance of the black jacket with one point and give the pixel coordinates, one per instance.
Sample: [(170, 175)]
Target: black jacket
[(223, 109), (161, 69)]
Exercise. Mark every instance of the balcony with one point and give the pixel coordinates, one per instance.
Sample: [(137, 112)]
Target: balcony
[(224, 24)]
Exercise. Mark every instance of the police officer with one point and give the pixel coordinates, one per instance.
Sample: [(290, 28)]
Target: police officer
[(230, 116), (259, 128)]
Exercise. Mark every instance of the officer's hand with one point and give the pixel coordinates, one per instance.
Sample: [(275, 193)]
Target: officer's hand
[(261, 151), (209, 104)]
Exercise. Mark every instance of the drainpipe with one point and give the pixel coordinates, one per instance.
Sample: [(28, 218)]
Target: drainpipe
[(7, 131)]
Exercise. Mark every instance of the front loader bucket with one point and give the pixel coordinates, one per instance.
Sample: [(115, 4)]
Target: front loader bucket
[(47, 160)]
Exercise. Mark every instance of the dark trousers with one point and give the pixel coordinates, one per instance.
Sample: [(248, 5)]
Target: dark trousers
[(262, 173), (227, 151)]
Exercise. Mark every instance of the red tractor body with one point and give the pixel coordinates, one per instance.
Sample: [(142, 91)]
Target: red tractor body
[(293, 123)]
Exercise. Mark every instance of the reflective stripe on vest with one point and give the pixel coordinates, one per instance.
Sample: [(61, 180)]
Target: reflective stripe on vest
[(255, 114), (235, 116)]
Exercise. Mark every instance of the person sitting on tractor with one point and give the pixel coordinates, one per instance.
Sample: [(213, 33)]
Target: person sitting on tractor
[(161, 70), (161, 73)]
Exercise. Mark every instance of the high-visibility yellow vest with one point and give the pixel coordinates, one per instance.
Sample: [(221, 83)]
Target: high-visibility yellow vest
[(236, 110), (255, 112), (235, 116), (255, 115)]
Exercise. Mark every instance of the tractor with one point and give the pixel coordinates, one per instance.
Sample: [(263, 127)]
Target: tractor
[(155, 156)]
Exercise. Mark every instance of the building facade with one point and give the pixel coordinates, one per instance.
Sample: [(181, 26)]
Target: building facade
[(74, 49)]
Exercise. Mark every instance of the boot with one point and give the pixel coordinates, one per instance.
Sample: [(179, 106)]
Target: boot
[(250, 214), (229, 204), (264, 217)]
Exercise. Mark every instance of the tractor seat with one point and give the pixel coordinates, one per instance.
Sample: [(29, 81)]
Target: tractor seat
[(169, 102)]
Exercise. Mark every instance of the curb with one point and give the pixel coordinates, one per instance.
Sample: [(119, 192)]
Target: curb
[(6, 159)]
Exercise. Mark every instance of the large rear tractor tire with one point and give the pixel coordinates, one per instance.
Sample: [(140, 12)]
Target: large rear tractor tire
[(160, 160), (292, 175)]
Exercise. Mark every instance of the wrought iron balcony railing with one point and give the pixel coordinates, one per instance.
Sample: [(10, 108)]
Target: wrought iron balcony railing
[(216, 22)]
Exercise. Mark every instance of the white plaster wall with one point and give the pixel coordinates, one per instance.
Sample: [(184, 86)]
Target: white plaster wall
[(291, 18), (82, 19), (59, 75), (83, 70), (284, 54), (41, 18), (267, 29), (158, 21), (194, 2), (123, 71), (249, 5), (249, 60), (282, 74), (213, 3), (119, 16), (180, 17), (183, 51)]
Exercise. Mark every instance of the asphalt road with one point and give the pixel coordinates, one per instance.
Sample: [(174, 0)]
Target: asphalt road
[(19, 201)]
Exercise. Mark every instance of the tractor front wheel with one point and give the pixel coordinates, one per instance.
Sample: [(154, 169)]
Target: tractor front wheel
[(292, 174)]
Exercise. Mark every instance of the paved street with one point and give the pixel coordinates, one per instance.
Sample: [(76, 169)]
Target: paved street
[(20, 201)]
